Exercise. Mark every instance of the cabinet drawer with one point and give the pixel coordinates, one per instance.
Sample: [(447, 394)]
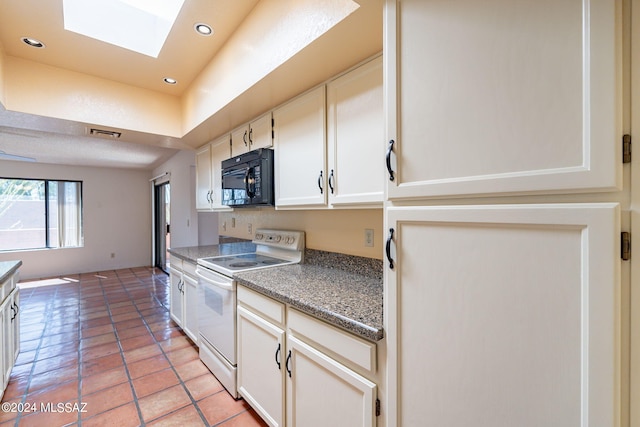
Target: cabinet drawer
[(261, 305), (176, 263), (189, 269), (342, 345)]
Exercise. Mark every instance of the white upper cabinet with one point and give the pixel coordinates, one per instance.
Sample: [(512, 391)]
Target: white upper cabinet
[(300, 151), (254, 135), (505, 97), (209, 174), (355, 137), (203, 178)]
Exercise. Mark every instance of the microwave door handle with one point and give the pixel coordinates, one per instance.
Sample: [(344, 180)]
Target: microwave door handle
[(247, 185)]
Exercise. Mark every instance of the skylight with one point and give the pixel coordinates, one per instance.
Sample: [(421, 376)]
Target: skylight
[(138, 25)]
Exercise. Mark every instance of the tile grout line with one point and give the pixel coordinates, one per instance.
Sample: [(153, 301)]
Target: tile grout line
[(173, 368), (48, 315), (124, 360)]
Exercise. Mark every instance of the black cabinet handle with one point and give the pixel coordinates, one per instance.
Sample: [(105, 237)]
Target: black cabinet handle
[(320, 183), (331, 181), (389, 151), (13, 311), (287, 364), (244, 138), (251, 136), (277, 356), (388, 249)]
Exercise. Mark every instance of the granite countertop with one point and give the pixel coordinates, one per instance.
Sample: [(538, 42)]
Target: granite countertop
[(342, 290), (7, 268)]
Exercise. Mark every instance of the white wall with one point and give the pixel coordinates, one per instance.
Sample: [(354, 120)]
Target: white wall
[(116, 215), (184, 220)]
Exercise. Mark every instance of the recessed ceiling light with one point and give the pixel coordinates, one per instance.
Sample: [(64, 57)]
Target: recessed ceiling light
[(33, 42), (203, 29), (170, 81)]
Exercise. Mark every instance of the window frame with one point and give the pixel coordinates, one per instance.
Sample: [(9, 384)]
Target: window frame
[(47, 214)]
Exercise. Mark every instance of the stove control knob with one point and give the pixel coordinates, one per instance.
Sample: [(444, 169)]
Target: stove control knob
[(277, 238), (290, 240), (259, 236)]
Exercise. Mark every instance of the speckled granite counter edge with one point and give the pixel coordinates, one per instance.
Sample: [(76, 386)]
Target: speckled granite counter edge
[(7, 268), (350, 325)]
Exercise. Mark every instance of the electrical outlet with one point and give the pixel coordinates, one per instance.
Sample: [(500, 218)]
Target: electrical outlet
[(233, 223), (113, 254), (250, 228), (224, 225), (368, 237)]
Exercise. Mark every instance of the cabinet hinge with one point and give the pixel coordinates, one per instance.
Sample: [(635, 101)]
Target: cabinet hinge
[(626, 149), (625, 246), (377, 407)]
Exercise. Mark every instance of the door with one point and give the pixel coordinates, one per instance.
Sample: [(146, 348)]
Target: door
[(190, 288), (504, 315), (322, 392), (505, 97), (217, 313), (300, 151), (355, 125), (203, 178), (261, 366), (162, 225), (175, 295)]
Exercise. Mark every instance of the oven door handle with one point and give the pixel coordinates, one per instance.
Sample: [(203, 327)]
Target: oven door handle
[(225, 286)]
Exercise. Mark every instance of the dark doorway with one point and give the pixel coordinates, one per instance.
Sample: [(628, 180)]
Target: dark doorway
[(162, 225)]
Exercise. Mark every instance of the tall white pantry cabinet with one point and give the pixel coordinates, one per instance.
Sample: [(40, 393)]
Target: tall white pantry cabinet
[(507, 299)]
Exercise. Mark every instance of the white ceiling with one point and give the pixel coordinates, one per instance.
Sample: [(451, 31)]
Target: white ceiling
[(65, 142), (184, 57)]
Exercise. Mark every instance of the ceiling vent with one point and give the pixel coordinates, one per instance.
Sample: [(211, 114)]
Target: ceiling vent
[(105, 133)]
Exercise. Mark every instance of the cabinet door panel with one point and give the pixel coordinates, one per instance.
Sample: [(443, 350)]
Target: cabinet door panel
[(191, 308), (260, 379), (203, 178), (300, 151), (220, 150), (260, 132), (355, 136), (504, 97), (175, 294), (512, 310), (323, 392), (240, 141)]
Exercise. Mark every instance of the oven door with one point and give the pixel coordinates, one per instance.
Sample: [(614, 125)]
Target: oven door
[(217, 312)]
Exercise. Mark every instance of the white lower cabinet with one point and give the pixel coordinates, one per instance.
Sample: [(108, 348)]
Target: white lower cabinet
[(184, 297), (9, 329), (504, 315), (323, 392), (290, 378), (261, 357)]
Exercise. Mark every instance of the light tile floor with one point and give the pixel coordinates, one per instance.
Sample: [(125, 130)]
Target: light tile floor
[(104, 345)]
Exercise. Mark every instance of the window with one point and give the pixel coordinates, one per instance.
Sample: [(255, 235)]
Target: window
[(37, 214)]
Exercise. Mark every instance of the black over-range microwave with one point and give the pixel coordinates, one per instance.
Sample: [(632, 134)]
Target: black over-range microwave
[(247, 179)]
